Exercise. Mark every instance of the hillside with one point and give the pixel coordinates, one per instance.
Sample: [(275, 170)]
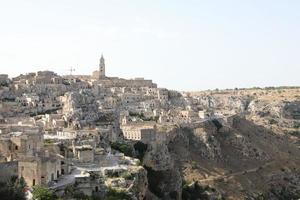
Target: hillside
[(243, 156)]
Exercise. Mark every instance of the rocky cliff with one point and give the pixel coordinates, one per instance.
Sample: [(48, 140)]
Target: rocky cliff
[(237, 158)]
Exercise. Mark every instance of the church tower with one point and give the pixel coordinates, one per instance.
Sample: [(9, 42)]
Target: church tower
[(102, 68)]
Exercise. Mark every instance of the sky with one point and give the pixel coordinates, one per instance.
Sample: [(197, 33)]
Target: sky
[(179, 44)]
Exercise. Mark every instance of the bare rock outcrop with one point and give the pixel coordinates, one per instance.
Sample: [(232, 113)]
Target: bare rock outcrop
[(139, 187)]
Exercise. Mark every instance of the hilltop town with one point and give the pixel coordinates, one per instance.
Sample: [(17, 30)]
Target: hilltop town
[(101, 137)]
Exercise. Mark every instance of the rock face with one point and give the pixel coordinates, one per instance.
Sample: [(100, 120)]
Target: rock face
[(232, 158), (158, 158), (206, 142), (283, 186), (282, 117), (291, 110), (265, 108), (165, 184), (164, 180), (245, 147), (283, 109), (235, 104), (140, 185)]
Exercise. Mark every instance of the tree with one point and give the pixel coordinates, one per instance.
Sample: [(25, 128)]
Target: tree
[(13, 189), (42, 193), (122, 147)]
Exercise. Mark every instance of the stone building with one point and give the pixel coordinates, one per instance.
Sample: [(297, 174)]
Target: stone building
[(4, 80), (99, 78), (30, 100), (18, 144), (59, 123), (90, 184), (84, 153), (144, 134), (101, 68), (8, 169), (41, 77), (39, 170), (25, 145)]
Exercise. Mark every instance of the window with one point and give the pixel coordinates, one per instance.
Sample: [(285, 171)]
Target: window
[(16, 147), (33, 182)]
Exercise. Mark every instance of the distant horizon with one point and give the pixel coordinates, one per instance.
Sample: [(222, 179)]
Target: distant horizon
[(182, 45)]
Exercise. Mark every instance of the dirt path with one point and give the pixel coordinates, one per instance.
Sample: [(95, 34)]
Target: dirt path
[(231, 175)]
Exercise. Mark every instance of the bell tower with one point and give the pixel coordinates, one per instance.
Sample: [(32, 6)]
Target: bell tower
[(102, 68)]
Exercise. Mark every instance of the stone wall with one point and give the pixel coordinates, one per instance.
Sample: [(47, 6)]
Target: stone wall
[(30, 170), (7, 170)]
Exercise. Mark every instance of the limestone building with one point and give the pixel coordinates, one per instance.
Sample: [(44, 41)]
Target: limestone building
[(39, 170), (143, 133), (18, 144)]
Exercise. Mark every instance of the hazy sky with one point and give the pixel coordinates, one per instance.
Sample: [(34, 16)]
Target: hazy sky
[(184, 45)]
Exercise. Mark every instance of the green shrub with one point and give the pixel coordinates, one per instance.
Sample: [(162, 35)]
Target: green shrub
[(122, 147), (82, 196), (127, 176), (43, 193), (114, 194)]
